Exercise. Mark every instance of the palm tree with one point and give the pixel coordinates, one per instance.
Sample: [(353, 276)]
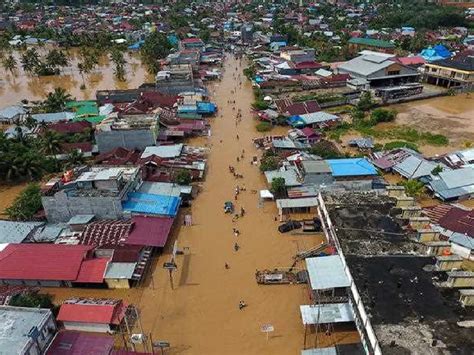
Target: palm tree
[(51, 143), (9, 64), (56, 58), (89, 60), (30, 60), (117, 57), (56, 100), (75, 158)]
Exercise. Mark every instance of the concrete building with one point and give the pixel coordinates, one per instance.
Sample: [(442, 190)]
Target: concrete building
[(378, 69), (175, 79), (25, 331), (456, 71), (128, 131), (97, 191)]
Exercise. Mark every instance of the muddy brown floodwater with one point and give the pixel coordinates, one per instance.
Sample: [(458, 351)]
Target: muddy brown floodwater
[(14, 88), (200, 315)]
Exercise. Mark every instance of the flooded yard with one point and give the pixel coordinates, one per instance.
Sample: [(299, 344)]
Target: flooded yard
[(14, 88)]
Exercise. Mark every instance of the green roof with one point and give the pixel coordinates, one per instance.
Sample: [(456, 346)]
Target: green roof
[(371, 42), (72, 104), (92, 119)]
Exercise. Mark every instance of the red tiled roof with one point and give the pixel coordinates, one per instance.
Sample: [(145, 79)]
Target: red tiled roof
[(159, 99), (42, 261), (106, 233), (307, 65), (79, 343), (309, 132), (92, 313), (301, 108), (191, 40), (69, 127), (119, 156), (458, 220), (92, 271), (84, 147), (415, 60), (150, 231)]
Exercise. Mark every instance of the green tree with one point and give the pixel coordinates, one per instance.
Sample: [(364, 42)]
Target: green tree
[(9, 64), (183, 177), (51, 143), (30, 60), (56, 100), (325, 150), (117, 58), (413, 187), (278, 187), (382, 115), (438, 169), (365, 101), (26, 204), (56, 58), (32, 300), (89, 59), (264, 127), (269, 162), (74, 158), (156, 47)]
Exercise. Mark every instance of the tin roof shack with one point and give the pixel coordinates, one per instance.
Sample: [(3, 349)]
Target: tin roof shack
[(79, 343), (127, 131), (95, 190), (409, 313), (25, 331), (174, 79), (92, 315), (51, 265)]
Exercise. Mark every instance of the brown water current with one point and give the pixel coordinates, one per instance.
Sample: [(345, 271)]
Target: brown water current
[(200, 315)]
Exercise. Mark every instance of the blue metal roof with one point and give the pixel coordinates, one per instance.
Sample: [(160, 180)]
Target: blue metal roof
[(351, 167), (206, 107), (162, 205)]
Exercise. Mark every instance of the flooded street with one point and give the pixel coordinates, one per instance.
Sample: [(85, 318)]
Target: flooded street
[(200, 315), (14, 88)]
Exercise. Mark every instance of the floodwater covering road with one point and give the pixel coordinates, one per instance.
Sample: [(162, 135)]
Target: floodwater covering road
[(200, 315)]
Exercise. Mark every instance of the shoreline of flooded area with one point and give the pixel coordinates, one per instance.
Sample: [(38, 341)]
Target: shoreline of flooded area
[(200, 314)]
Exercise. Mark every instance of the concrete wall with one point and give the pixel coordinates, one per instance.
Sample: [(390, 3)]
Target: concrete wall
[(130, 139), (87, 327), (60, 207), (117, 283)]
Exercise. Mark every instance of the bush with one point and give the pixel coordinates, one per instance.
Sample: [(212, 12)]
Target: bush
[(260, 105), (400, 144), (183, 177), (382, 115), (264, 127), (26, 204), (325, 150), (269, 162), (32, 300), (413, 187), (365, 101), (278, 187)]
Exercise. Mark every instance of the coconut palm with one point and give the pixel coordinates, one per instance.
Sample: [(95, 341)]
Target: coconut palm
[(51, 143), (56, 100), (9, 64), (75, 158), (30, 60)]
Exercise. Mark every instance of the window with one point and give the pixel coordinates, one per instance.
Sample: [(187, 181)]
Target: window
[(394, 72)]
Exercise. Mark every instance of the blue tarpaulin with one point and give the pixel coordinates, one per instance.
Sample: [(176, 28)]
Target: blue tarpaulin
[(351, 167), (296, 121), (136, 46), (162, 205), (437, 52), (206, 108)]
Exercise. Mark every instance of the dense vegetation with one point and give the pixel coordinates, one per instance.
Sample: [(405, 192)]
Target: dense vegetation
[(26, 204)]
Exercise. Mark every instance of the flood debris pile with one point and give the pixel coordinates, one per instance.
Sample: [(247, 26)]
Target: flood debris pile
[(367, 225), (409, 313), (404, 289)]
